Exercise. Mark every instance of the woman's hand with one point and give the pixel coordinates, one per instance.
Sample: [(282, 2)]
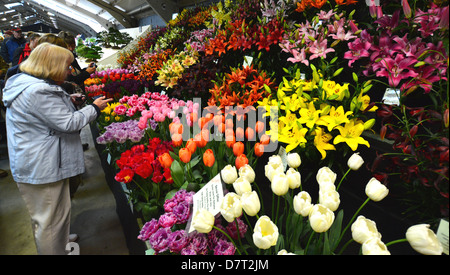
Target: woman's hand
[(102, 102), (77, 99)]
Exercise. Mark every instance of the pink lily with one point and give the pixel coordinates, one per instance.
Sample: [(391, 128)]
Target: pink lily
[(299, 57), (320, 49), (396, 69)]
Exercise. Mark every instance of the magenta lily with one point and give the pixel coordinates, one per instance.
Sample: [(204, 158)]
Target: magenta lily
[(396, 69)]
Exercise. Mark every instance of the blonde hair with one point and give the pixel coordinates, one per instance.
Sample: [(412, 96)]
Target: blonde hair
[(48, 61)]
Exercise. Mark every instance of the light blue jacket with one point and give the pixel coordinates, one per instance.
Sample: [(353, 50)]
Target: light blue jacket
[(44, 143)]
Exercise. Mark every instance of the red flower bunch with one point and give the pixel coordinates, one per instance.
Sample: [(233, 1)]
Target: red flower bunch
[(241, 36), (143, 161), (242, 87)]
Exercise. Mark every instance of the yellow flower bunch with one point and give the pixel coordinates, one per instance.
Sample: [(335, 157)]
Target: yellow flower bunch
[(109, 115), (173, 68), (319, 112)]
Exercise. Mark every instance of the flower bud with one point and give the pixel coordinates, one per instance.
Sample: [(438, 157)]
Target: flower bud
[(320, 218), (274, 166), (241, 160), (375, 190), (284, 252), (364, 229), (242, 185), (203, 221), (302, 203), (293, 160), (208, 158), (247, 172), (229, 174), (423, 240), (165, 160), (185, 155), (231, 206), (280, 184), (374, 246), (250, 203), (294, 178), (355, 162), (265, 233)]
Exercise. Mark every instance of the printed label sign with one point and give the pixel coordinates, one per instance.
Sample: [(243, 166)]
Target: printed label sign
[(209, 198), (391, 97)]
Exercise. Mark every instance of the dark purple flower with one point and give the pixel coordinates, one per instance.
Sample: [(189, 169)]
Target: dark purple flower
[(160, 240), (199, 242), (233, 230), (167, 220), (182, 212), (224, 247), (148, 229), (177, 241)]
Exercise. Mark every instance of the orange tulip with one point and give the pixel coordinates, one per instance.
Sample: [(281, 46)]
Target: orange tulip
[(208, 158), (259, 127), (218, 119), (238, 148), (201, 139), (241, 160), (221, 127), (239, 133), (185, 155), (229, 123), (191, 145), (249, 133), (175, 128), (259, 149), (165, 160), (177, 140), (264, 139), (230, 140)]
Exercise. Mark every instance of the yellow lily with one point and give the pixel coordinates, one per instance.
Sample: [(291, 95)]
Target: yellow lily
[(293, 137), (336, 117), (334, 90), (309, 116), (321, 141), (351, 134)]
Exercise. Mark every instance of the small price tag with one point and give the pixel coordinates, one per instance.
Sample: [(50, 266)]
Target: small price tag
[(391, 97), (209, 198), (247, 61), (282, 153), (442, 235)]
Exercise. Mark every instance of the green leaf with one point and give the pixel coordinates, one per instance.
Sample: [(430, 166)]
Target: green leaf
[(177, 174), (335, 230)]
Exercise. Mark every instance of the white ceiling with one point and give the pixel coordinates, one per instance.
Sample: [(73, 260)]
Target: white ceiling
[(89, 16)]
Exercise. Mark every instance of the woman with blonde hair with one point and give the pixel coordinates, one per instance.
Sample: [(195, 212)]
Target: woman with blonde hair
[(44, 143)]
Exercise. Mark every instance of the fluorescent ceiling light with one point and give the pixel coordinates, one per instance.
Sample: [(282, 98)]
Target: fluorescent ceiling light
[(12, 5)]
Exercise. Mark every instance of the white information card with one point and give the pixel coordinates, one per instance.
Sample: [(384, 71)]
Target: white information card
[(209, 198)]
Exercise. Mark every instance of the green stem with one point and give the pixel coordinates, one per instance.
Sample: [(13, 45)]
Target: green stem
[(278, 209), (142, 189), (239, 235), (351, 221), (228, 236), (337, 188), (396, 241), (309, 241), (345, 246)]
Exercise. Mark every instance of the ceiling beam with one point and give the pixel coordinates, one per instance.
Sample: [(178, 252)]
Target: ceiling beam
[(122, 17), (165, 9)]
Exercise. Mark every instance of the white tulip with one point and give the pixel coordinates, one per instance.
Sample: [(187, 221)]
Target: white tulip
[(302, 203), (325, 174), (231, 206), (375, 190), (320, 218), (293, 160), (265, 233), (364, 229), (250, 203), (284, 252), (280, 184), (229, 174), (374, 246), (247, 172), (355, 162), (330, 199), (423, 240), (273, 167), (203, 221), (294, 178), (242, 185)]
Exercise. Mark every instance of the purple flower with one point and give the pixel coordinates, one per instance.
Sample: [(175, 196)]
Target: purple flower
[(178, 241), (160, 240), (148, 229), (181, 212), (233, 230), (199, 242), (214, 236), (167, 220), (224, 247)]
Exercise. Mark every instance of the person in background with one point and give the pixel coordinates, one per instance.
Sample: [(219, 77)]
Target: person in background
[(11, 45), (44, 143), (78, 75), (23, 52)]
